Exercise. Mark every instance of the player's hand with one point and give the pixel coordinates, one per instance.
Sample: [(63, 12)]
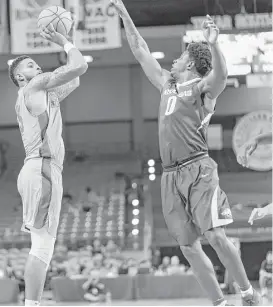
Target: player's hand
[(53, 36), (210, 30), (256, 214), (119, 6), (245, 152)]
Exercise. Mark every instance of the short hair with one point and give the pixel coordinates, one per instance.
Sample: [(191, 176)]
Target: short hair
[(201, 55), (14, 65)]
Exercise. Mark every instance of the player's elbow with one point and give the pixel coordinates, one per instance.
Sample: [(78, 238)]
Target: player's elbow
[(82, 68), (78, 70)]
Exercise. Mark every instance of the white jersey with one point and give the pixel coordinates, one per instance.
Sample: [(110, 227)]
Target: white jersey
[(41, 135)]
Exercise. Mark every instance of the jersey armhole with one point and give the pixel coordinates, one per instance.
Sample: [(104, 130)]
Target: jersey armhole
[(30, 111), (164, 74)]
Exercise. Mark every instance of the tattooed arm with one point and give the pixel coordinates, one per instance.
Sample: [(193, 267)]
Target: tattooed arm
[(75, 67), (64, 90), (139, 47)]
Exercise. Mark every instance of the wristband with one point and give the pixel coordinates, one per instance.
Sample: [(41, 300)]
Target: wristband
[(68, 47)]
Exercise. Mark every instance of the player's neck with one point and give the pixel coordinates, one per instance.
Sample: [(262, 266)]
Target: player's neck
[(22, 84), (187, 76)]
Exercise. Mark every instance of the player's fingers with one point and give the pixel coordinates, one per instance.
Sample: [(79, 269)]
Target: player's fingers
[(45, 36), (51, 28), (252, 216), (45, 29)]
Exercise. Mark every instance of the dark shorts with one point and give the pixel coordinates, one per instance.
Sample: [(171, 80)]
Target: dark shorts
[(192, 200)]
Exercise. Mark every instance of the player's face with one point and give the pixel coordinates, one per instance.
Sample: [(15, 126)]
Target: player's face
[(29, 69), (181, 64), (269, 258)]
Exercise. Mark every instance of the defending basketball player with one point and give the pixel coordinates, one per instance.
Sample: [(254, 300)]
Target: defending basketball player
[(40, 179), (193, 203)]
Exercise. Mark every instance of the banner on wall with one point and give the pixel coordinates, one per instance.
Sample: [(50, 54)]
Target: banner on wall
[(98, 24), (4, 36), (25, 37)]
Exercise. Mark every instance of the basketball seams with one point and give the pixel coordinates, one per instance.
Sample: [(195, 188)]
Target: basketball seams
[(57, 16)]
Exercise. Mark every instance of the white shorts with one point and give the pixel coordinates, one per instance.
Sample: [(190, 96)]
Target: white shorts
[(40, 186)]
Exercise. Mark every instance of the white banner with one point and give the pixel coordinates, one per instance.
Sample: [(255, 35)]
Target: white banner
[(25, 37), (4, 36), (98, 24)]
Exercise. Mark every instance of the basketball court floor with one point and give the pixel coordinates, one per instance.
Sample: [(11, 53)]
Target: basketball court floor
[(232, 299)]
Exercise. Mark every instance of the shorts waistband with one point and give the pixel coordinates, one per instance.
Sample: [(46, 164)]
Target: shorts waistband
[(183, 163), (60, 167)]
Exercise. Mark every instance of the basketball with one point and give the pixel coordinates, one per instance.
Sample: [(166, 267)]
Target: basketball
[(58, 16)]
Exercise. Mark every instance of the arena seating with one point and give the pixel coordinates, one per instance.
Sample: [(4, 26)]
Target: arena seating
[(104, 220)]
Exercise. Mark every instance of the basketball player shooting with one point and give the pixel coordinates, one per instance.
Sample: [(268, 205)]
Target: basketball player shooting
[(193, 203), (40, 179)]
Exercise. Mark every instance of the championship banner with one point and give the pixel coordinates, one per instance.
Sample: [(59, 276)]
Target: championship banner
[(25, 37), (4, 36), (98, 24)]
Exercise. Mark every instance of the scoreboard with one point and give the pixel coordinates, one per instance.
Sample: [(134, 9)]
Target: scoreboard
[(244, 52)]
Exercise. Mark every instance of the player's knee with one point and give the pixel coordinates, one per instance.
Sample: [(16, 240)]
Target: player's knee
[(189, 251), (42, 246), (216, 237)]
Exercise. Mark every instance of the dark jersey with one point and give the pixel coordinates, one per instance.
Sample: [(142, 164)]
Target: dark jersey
[(183, 122)]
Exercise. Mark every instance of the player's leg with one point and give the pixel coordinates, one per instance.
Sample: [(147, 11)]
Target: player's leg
[(211, 214), (204, 272), (229, 256), (42, 247), (184, 232), (35, 184)]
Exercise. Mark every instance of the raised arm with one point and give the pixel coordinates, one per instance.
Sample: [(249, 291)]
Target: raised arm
[(64, 90), (75, 67), (139, 47), (214, 83)]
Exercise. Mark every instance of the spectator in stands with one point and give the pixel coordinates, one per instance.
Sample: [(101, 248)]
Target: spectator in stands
[(156, 258), (74, 208), (73, 268), (123, 269), (111, 249), (98, 248), (88, 199), (95, 290), (265, 279), (144, 267), (165, 264), (175, 268)]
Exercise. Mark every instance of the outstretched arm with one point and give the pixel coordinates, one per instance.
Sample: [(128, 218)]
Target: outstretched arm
[(139, 47), (215, 82)]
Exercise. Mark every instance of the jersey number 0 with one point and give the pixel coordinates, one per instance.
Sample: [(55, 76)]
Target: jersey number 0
[(171, 105)]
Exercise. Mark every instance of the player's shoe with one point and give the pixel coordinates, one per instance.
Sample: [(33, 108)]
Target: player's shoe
[(252, 300)]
